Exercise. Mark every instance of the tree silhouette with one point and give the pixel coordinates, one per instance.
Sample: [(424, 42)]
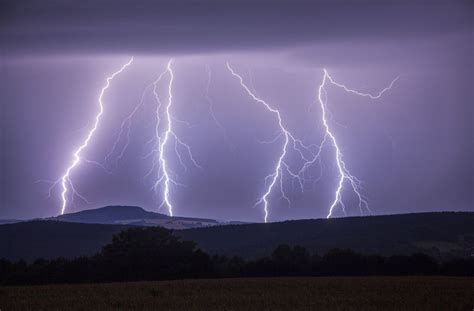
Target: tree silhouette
[(154, 253), (150, 253)]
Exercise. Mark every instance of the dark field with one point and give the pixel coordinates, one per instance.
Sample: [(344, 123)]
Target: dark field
[(333, 293)]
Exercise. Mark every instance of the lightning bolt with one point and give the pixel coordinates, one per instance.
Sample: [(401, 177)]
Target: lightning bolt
[(275, 178), (157, 137), (165, 175), (344, 173), (66, 183)]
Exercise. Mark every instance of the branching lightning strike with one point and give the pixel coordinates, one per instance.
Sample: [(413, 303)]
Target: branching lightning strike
[(165, 175), (289, 141), (344, 173), (126, 124), (66, 183)]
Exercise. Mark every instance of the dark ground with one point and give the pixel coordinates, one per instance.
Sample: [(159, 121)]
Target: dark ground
[(332, 293)]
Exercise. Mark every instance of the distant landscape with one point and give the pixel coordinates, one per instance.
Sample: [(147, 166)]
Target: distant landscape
[(440, 235), (395, 262), (136, 216), (145, 253)]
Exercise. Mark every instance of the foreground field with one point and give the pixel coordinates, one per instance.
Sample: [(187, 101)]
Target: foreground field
[(334, 293)]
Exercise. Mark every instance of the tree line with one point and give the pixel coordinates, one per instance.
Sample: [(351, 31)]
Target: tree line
[(154, 253)]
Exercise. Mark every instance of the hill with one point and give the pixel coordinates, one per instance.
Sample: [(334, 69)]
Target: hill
[(134, 215), (9, 221), (51, 239), (437, 234)]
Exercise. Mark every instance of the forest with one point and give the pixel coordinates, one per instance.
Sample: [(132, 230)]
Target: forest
[(155, 253)]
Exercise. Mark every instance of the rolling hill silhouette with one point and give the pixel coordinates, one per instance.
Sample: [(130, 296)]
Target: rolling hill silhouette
[(445, 234), (51, 239), (442, 235), (134, 215)]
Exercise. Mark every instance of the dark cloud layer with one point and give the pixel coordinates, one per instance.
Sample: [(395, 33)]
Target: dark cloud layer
[(195, 26)]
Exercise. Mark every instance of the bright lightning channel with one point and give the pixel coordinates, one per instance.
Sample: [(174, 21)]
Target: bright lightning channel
[(276, 176), (66, 183), (165, 176), (344, 174)]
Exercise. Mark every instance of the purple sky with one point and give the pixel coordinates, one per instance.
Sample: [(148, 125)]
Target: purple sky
[(412, 148)]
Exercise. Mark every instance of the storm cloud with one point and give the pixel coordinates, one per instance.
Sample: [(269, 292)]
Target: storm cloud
[(182, 27)]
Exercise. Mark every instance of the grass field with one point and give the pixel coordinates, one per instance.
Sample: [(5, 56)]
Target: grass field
[(332, 293)]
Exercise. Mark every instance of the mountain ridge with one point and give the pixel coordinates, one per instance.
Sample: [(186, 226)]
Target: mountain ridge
[(439, 234), (133, 215)]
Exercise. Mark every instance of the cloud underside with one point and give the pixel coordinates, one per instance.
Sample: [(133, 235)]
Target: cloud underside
[(191, 26)]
